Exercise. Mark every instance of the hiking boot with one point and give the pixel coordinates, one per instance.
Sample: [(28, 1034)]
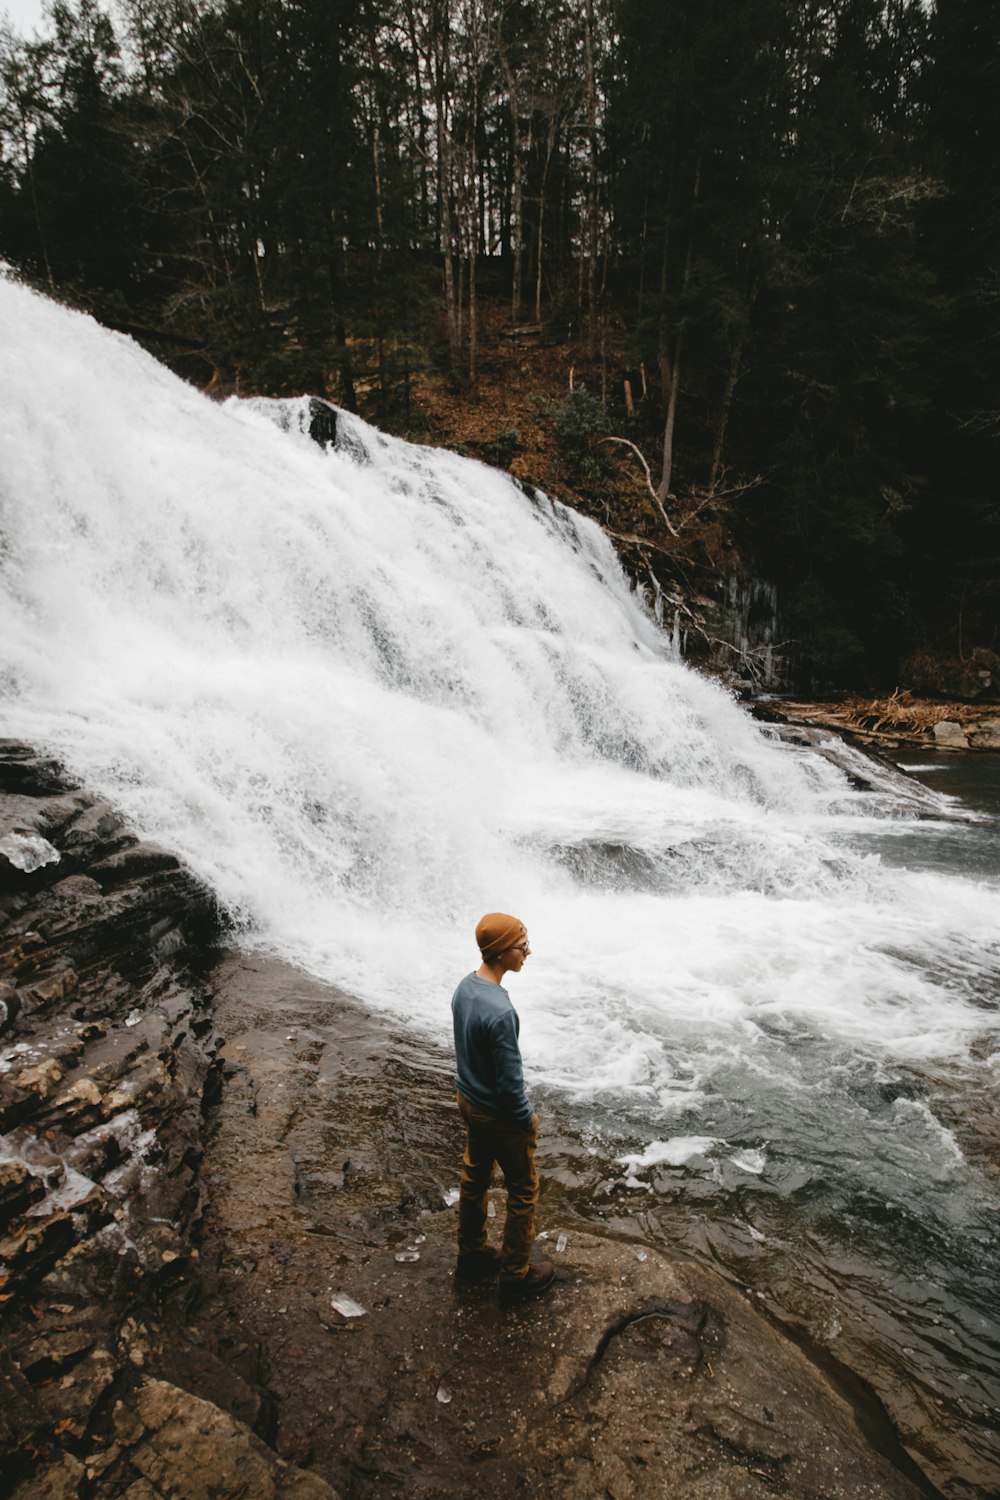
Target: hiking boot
[(538, 1279), (477, 1265)]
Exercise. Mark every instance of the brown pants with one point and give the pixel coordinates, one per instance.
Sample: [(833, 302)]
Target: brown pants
[(491, 1139)]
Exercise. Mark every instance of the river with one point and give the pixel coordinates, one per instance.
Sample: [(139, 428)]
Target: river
[(854, 1196)]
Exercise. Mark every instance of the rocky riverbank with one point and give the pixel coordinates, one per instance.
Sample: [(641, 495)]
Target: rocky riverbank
[(227, 1267), (898, 722), (109, 1061)]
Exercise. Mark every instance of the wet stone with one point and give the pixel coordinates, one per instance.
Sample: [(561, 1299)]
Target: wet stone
[(19, 1189)]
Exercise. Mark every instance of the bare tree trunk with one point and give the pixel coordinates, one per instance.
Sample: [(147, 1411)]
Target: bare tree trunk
[(590, 86), (541, 241), (376, 136), (715, 470), (36, 211), (421, 131), (473, 319), (670, 378), (643, 246), (472, 195), (670, 367), (445, 173), (452, 315), (515, 227), (460, 272)]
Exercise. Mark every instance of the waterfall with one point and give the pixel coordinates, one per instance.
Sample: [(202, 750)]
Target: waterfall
[(370, 689)]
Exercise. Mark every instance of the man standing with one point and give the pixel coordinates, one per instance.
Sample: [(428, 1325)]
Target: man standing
[(500, 1124)]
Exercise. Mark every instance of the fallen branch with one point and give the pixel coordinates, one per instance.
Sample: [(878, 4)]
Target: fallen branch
[(716, 495), (630, 539), (752, 658), (627, 443)]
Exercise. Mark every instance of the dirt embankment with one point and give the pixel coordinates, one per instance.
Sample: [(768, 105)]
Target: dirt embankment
[(228, 1267)]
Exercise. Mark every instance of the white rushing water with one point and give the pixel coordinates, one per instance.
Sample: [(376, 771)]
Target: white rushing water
[(371, 692)]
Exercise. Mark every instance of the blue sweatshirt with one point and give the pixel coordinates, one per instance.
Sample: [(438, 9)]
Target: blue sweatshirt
[(487, 1056)]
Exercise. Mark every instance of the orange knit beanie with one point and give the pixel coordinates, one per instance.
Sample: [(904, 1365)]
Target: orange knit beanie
[(497, 932)]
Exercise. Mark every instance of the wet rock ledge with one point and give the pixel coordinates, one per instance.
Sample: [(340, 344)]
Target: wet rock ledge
[(108, 1062), (233, 1277)]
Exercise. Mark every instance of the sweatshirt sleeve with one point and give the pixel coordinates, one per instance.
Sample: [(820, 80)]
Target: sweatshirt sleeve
[(512, 1094)]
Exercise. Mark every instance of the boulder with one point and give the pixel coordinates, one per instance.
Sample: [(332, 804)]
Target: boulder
[(985, 735), (949, 735), (164, 1433)]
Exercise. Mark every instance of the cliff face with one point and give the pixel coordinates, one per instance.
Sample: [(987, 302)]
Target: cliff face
[(109, 1061)]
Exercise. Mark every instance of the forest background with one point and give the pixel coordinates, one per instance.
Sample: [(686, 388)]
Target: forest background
[(726, 277)]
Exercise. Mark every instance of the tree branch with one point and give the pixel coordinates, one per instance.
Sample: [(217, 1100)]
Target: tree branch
[(627, 443)]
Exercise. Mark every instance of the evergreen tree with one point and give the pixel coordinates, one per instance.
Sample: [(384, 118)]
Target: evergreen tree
[(843, 347), (80, 221), (956, 537)]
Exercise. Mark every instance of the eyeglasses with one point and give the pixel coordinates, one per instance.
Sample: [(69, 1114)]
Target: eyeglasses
[(524, 948)]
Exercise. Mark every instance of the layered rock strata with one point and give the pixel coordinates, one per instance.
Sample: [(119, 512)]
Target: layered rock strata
[(108, 1061)]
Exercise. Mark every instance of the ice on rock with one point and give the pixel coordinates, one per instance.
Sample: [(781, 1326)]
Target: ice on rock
[(641, 1255), (676, 1152), (346, 1306), (407, 1256), (491, 1209), (443, 1394), (28, 851), (451, 1197), (561, 1244), (753, 1162)]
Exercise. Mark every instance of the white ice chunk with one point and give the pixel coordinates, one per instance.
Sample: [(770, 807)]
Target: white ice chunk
[(750, 1161), (346, 1306), (28, 851), (71, 1190), (673, 1153)]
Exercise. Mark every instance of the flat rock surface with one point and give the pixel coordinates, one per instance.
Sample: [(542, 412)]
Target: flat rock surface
[(335, 1145)]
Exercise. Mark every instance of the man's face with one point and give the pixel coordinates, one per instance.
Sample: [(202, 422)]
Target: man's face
[(514, 958)]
